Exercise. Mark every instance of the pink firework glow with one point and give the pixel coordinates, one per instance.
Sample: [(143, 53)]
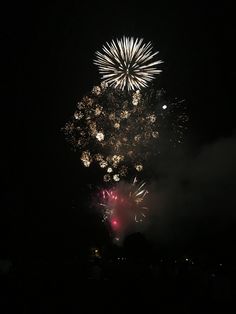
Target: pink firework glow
[(123, 204)]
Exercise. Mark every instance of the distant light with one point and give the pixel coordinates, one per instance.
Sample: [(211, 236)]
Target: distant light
[(164, 107)]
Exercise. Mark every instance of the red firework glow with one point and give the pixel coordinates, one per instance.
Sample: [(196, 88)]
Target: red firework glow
[(124, 204), (111, 204), (114, 223)]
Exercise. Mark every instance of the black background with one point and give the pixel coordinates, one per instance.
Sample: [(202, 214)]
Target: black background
[(47, 55)]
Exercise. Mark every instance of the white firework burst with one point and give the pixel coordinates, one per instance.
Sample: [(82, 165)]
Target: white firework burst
[(127, 63)]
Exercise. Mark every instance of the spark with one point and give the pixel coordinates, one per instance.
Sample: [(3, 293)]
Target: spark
[(103, 164), (100, 136), (139, 167), (106, 178), (155, 134), (96, 90), (86, 158), (126, 63), (116, 177)]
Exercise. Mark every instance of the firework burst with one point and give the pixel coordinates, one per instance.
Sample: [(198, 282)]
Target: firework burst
[(127, 63), (120, 132), (124, 203)]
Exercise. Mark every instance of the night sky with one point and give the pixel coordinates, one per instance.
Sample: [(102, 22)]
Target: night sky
[(47, 55)]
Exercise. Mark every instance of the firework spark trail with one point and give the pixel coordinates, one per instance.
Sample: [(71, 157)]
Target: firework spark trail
[(125, 63)]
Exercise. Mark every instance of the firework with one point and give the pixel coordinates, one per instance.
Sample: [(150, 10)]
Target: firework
[(120, 131), (119, 125), (127, 63), (123, 204)]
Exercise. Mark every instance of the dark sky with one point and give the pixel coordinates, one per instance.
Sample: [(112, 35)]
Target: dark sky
[(47, 58)]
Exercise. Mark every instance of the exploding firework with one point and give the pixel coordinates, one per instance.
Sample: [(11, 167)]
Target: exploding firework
[(127, 63), (119, 125), (123, 204), (120, 131)]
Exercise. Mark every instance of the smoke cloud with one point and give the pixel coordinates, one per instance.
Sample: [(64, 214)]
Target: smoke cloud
[(193, 200)]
